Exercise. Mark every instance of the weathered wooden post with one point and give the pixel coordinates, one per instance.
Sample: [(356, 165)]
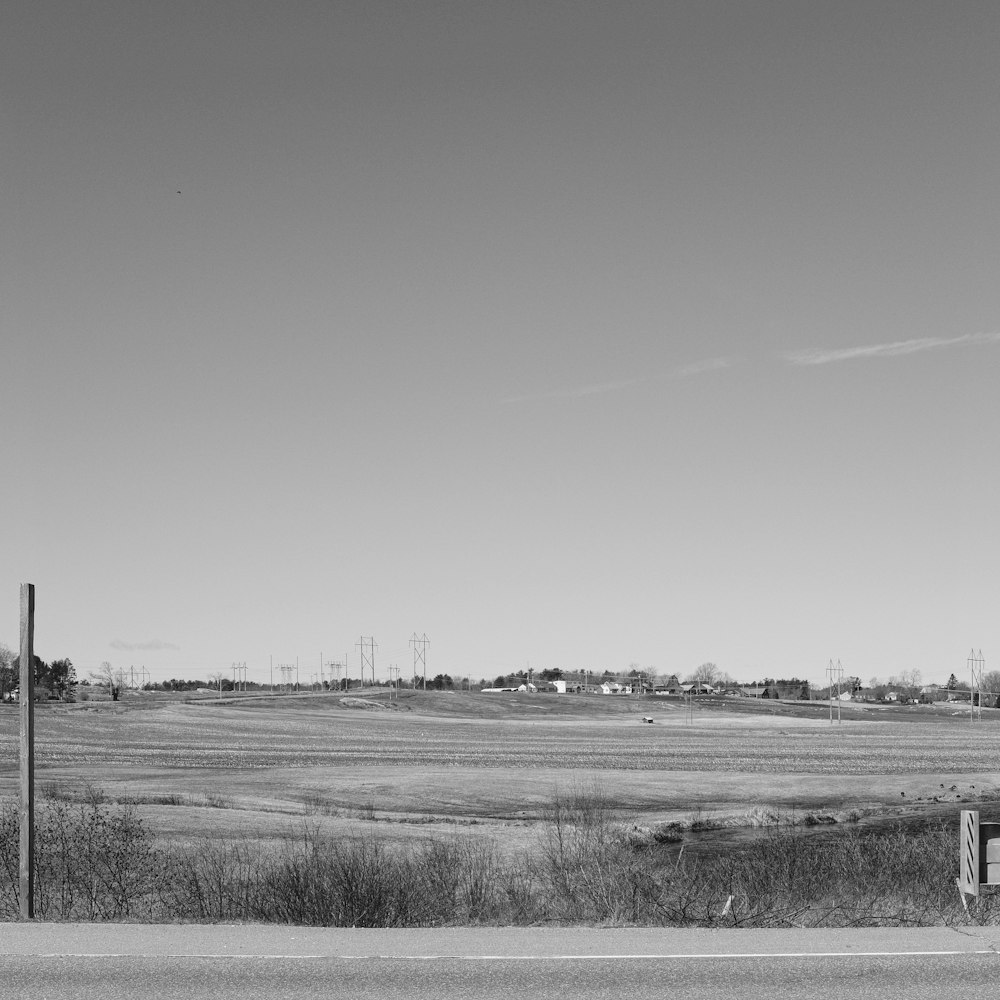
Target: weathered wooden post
[(27, 698)]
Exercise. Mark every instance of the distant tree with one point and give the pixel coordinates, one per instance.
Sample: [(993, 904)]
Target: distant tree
[(707, 673), (551, 674), (105, 676), (216, 680), (990, 686), (61, 679), (952, 683), (8, 675), (41, 672)]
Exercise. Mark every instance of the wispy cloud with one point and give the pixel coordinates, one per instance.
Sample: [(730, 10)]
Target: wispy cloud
[(821, 356), (600, 388), (700, 367), (151, 644), (595, 389)]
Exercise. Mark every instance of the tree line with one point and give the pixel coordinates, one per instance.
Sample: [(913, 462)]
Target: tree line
[(57, 678)]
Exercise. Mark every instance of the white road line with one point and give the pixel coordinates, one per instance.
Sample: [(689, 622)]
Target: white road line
[(659, 956)]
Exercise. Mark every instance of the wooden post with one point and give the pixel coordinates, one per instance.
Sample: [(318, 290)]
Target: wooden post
[(27, 697)]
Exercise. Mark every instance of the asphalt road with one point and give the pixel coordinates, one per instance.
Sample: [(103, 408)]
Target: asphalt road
[(137, 962)]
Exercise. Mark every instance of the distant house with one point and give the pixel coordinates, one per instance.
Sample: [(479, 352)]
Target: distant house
[(558, 686), (699, 687), (529, 687), (760, 691)]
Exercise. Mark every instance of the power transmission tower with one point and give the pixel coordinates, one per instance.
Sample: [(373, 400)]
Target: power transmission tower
[(394, 681), (420, 644), (367, 658), (835, 672), (334, 669), (976, 664), (240, 671)]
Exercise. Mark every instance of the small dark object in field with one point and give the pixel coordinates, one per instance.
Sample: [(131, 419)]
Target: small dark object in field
[(648, 719), (903, 794)]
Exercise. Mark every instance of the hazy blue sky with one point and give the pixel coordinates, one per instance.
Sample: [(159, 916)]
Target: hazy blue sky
[(575, 334)]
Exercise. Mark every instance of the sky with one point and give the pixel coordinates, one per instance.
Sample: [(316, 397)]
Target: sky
[(570, 335)]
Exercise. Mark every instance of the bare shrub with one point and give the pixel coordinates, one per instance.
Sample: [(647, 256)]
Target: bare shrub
[(92, 862), (213, 880), (95, 861), (854, 879)]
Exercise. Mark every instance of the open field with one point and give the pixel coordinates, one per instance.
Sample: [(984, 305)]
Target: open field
[(490, 765)]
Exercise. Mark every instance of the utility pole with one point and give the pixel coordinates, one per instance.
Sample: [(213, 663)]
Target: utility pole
[(27, 696), (394, 681), (420, 645)]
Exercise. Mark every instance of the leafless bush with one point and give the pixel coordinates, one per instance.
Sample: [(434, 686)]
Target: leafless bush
[(95, 860), (92, 862)]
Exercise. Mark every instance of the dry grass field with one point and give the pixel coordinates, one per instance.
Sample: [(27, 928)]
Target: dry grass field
[(489, 766)]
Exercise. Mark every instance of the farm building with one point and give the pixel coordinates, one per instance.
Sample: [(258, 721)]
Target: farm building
[(700, 687), (759, 691), (669, 690)]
